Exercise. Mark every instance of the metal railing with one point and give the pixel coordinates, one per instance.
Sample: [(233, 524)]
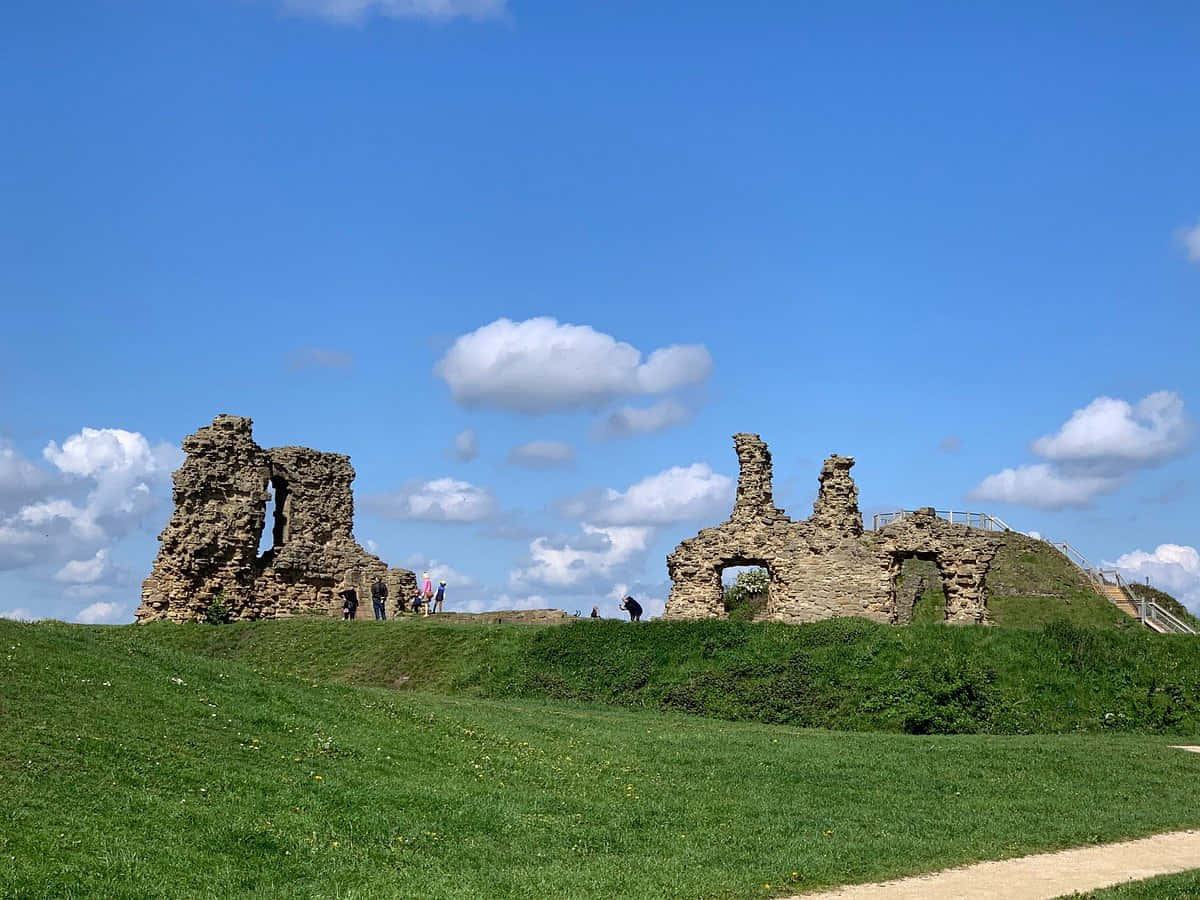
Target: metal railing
[(1147, 610), (986, 521)]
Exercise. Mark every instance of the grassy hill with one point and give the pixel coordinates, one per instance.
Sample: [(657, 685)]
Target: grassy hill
[(841, 674), (1030, 584), (134, 768)]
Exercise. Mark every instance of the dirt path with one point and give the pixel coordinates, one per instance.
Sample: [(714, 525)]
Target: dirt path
[(1040, 877)]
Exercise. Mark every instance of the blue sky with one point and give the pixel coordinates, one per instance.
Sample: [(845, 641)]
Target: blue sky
[(961, 245)]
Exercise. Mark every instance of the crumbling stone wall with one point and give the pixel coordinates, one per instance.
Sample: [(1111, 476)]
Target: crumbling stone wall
[(824, 566), (211, 543)]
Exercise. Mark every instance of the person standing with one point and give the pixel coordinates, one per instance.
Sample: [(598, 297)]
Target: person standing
[(426, 587), (379, 593), (632, 607), (439, 597), (595, 612)]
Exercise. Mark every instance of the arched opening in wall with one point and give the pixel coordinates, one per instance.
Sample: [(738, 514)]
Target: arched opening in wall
[(917, 585), (746, 589), (275, 531)]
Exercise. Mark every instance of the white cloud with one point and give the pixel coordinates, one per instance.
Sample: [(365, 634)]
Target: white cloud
[(1117, 435), (19, 478), (597, 555), (542, 454), (631, 420), (541, 365), (439, 571), (101, 612), (1173, 568), (320, 358), (1189, 238), (1043, 486), (20, 614), (674, 495), (466, 445), (1094, 452), (349, 11), (440, 500), (85, 571)]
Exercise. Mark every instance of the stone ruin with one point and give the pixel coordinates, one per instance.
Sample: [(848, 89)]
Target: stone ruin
[(827, 565), (210, 547)]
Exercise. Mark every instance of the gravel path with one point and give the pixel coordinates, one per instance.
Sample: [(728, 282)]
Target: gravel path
[(1040, 877)]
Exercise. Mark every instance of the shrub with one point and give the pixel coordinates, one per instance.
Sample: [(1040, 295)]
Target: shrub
[(218, 613)]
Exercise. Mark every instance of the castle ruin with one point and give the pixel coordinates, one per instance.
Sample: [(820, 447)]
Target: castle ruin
[(210, 547), (826, 565)]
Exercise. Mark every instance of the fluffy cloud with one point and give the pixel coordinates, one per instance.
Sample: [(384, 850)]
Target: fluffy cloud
[(440, 500), (20, 479), (320, 358), (101, 613), (582, 563), (110, 473), (1094, 452), (674, 495), (350, 11), (541, 365), (85, 571), (1114, 435), (1043, 486), (20, 614), (1189, 238), (630, 420), (1171, 567), (542, 454), (466, 445)]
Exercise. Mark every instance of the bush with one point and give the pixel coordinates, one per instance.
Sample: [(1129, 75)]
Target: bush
[(218, 613)]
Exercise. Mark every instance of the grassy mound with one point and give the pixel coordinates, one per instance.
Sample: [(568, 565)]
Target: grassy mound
[(840, 674), (132, 769)]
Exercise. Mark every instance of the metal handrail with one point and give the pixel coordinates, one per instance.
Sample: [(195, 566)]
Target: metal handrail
[(982, 520), (1072, 554), (1147, 610)]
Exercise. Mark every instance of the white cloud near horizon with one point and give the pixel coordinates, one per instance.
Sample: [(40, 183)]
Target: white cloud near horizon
[(102, 613), (542, 455), (1094, 453), (1173, 568), (353, 11), (541, 365), (596, 556), (439, 500), (85, 571), (105, 485), (19, 614)]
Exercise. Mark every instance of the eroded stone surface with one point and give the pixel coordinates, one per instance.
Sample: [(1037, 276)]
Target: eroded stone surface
[(824, 566), (211, 544)]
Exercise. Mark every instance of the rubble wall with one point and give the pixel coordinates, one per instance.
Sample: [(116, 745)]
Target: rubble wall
[(824, 566), (210, 546)]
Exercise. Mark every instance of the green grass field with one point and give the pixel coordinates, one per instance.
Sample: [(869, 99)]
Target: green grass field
[(131, 768), (1185, 886), (843, 673)]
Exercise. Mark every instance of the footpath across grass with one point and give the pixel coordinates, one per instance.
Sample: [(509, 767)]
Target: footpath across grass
[(839, 674), (131, 769)]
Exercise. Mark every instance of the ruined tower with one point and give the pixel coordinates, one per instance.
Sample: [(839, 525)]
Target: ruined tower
[(210, 546)]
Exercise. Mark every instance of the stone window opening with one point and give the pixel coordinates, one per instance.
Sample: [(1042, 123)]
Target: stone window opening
[(276, 529), (745, 594), (918, 586)]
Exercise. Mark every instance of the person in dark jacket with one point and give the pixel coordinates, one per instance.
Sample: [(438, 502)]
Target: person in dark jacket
[(379, 594), (632, 607), (349, 605), (439, 597)]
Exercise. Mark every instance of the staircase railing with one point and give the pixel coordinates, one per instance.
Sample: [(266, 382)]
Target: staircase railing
[(986, 521), (1147, 609)]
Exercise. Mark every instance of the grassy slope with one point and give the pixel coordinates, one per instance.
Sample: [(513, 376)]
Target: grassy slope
[(1031, 584), (129, 769), (843, 673), (1185, 886)]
